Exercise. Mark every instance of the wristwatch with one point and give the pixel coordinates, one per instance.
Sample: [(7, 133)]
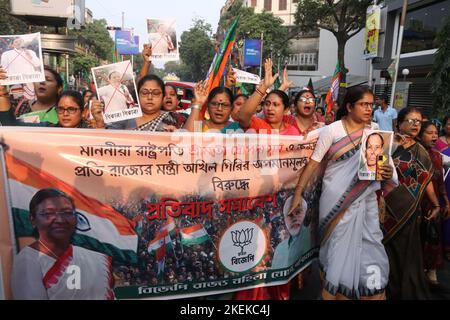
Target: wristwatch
[(195, 106)]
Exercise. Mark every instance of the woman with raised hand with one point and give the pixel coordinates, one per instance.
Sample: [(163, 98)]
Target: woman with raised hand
[(219, 106), (275, 107)]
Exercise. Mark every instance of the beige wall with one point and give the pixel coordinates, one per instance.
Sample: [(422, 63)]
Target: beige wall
[(286, 15)]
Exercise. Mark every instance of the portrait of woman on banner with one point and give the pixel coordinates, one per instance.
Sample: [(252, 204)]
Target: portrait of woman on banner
[(52, 268)]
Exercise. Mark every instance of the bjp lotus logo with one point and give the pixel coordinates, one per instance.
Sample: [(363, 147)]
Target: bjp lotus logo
[(242, 239)]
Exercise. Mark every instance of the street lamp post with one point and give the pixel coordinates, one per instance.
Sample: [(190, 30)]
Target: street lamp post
[(405, 73)]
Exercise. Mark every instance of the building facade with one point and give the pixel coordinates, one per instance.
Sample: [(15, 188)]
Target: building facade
[(313, 55), (424, 19)]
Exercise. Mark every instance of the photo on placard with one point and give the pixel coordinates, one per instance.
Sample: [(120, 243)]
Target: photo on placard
[(116, 88), (162, 35), (21, 58), (376, 148)]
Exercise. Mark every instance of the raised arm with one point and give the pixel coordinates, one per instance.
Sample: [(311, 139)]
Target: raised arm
[(201, 95), (286, 84), (230, 81), (250, 107), (147, 55)]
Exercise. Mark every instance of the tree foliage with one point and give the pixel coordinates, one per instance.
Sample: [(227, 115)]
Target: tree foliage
[(83, 63), (97, 38), (441, 73), (197, 50), (343, 18), (8, 23), (275, 34)]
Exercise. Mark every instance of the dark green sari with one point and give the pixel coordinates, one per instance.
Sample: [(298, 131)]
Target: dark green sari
[(402, 224)]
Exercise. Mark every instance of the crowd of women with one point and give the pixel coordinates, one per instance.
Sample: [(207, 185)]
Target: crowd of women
[(395, 230)]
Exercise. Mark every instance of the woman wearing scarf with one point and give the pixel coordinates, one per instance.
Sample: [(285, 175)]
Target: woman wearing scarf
[(403, 212), (353, 260)]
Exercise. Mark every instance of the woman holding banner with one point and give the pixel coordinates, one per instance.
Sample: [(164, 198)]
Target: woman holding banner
[(52, 268), (353, 260)]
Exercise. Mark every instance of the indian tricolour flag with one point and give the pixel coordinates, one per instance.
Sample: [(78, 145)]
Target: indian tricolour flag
[(100, 227), (169, 226), (160, 244), (193, 235)]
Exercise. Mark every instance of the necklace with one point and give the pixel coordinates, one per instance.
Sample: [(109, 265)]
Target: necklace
[(348, 135), (48, 249)]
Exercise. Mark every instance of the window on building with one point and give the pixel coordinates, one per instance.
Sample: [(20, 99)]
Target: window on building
[(268, 5), (282, 5), (253, 3), (422, 26)]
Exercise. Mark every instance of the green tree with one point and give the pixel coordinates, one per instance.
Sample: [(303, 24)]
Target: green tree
[(10, 24), (441, 73), (343, 18), (236, 9), (197, 50), (180, 69), (95, 36), (82, 63), (275, 34)]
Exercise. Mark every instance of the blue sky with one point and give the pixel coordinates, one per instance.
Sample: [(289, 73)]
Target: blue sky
[(138, 11)]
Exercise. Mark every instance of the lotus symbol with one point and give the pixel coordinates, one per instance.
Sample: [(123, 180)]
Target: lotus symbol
[(242, 239)]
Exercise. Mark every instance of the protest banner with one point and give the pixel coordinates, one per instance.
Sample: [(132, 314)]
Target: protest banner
[(21, 57), (246, 77), (376, 152), (179, 214), (117, 89), (162, 35)]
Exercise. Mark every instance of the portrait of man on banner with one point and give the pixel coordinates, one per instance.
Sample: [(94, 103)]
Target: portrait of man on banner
[(21, 57), (162, 36)]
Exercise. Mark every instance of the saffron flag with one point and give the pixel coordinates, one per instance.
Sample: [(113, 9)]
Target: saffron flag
[(194, 235), (333, 93), (220, 60)]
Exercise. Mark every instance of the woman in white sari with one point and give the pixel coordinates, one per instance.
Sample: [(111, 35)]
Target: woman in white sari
[(353, 260), (52, 268)]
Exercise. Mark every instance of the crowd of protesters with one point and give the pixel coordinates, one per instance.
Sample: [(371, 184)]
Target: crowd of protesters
[(400, 225)]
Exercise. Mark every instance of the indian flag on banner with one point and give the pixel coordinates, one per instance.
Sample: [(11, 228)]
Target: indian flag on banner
[(160, 244), (194, 235), (100, 227), (217, 68), (169, 226)]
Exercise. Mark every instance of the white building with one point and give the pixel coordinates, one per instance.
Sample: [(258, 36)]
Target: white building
[(314, 56)]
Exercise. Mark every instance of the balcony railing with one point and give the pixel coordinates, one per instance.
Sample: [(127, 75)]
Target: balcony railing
[(302, 59)]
